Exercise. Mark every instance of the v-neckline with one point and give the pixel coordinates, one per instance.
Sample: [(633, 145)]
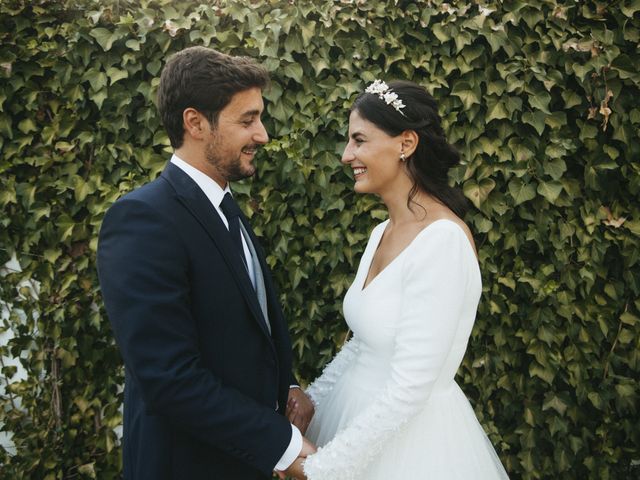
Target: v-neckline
[(393, 260)]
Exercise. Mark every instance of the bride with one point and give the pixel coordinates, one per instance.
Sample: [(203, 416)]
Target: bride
[(387, 406)]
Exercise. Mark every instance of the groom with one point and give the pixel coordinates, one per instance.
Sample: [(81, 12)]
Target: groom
[(195, 314)]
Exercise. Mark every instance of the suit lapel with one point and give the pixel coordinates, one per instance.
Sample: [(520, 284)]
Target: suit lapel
[(197, 203)]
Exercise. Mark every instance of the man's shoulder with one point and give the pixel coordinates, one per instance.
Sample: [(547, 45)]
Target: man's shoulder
[(154, 196), (151, 204), (152, 192)]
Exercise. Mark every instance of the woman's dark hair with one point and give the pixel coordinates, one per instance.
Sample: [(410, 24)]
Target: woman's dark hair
[(204, 79), (430, 163)]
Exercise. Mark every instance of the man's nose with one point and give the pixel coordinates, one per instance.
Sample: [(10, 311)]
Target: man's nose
[(261, 136)]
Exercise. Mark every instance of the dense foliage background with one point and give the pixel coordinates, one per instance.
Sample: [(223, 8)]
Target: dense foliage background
[(542, 97)]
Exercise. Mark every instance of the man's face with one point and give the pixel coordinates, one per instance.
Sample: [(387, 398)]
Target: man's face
[(235, 139)]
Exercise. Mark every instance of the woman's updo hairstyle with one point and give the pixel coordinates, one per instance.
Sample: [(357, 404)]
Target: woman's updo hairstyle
[(434, 156)]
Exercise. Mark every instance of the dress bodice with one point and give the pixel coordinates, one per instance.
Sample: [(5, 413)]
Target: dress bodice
[(373, 312)]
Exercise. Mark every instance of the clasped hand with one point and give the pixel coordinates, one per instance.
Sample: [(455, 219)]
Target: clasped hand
[(295, 470), (300, 411)]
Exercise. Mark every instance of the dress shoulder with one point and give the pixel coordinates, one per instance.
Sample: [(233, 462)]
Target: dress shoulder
[(444, 235)]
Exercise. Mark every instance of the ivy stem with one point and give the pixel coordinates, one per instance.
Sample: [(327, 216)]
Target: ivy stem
[(615, 342), (56, 398)]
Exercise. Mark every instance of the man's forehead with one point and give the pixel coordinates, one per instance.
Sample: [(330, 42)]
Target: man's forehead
[(246, 102)]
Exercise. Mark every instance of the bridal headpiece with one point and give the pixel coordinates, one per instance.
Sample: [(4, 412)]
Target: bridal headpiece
[(380, 88)]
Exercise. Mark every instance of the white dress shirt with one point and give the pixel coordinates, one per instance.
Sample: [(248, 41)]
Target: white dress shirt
[(215, 194)]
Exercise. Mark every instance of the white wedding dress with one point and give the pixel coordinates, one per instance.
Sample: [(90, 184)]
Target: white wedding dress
[(387, 406)]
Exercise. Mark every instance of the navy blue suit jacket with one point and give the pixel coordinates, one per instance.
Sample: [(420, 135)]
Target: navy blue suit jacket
[(203, 375)]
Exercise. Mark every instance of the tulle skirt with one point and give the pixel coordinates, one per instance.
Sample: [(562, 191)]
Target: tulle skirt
[(444, 441)]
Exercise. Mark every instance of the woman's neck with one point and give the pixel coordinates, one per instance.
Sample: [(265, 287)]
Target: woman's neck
[(399, 212)]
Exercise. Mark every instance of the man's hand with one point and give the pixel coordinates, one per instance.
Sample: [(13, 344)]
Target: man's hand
[(295, 470), (299, 409)]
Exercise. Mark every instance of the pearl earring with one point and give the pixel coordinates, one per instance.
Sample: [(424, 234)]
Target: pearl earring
[(402, 157)]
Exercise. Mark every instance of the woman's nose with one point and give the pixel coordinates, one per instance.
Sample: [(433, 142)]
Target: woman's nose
[(347, 155)]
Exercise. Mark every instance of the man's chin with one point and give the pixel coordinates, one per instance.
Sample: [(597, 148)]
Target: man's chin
[(250, 170), (236, 176)]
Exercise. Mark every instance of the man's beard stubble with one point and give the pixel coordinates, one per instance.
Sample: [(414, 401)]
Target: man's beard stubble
[(230, 170)]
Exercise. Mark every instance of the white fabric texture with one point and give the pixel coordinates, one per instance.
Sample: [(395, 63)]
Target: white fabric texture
[(387, 406)]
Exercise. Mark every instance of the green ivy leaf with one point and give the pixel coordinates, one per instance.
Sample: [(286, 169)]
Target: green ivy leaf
[(536, 120), (556, 404), (540, 101), (521, 191), (478, 192), (629, 319), (116, 74), (88, 469), (555, 168), (497, 111), (630, 7), (27, 126), (104, 37), (467, 95), (550, 190), (294, 70)]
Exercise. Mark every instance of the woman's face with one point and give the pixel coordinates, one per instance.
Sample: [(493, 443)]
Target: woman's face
[(373, 155)]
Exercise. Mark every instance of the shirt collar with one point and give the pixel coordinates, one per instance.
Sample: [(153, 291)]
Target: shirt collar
[(211, 188)]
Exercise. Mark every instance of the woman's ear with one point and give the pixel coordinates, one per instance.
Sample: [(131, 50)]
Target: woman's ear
[(410, 141)]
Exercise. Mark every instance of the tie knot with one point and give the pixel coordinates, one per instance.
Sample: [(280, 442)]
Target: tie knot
[(229, 207)]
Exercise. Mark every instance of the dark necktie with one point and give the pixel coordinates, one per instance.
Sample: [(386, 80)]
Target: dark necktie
[(232, 212)]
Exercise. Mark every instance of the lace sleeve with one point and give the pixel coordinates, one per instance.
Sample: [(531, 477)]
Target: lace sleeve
[(324, 383), (433, 285)]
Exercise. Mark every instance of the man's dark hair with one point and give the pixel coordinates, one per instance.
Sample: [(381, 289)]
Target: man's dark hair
[(204, 79)]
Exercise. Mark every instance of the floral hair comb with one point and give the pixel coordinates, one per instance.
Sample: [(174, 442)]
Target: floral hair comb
[(380, 88)]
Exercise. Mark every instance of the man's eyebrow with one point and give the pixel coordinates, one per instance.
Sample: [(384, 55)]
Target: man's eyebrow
[(250, 113)]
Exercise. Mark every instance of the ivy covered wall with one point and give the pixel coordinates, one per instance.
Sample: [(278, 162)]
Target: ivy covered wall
[(542, 97)]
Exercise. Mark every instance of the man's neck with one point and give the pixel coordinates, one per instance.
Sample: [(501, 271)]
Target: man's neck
[(196, 160)]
